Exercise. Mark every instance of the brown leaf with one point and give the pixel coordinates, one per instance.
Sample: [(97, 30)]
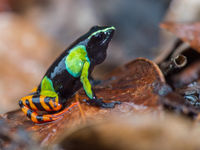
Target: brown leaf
[(17, 139), (134, 84), (4, 6), (180, 72), (187, 32), (185, 97), (175, 102), (142, 132)]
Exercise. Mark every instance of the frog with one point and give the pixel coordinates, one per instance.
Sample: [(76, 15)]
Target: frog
[(67, 74)]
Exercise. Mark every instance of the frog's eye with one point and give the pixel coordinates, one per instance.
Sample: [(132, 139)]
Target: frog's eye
[(100, 36)]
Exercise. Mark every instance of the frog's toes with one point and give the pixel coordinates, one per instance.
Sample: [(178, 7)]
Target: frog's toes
[(100, 103), (110, 104)]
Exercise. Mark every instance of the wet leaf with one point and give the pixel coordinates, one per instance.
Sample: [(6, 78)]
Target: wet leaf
[(133, 84)]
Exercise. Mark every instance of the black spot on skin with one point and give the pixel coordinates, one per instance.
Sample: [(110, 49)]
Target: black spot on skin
[(39, 118), (29, 112), (47, 100), (36, 101), (27, 103), (21, 104)]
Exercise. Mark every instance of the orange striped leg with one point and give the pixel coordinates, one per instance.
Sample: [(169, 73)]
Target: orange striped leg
[(38, 118), (32, 103), (29, 108), (41, 103)]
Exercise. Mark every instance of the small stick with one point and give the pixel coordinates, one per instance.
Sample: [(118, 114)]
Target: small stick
[(79, 106), (175, 63)]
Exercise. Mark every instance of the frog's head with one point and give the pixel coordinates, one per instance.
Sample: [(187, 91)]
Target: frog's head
[(98, 39)]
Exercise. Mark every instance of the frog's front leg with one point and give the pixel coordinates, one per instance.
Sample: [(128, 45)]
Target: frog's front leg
[(89, 92)]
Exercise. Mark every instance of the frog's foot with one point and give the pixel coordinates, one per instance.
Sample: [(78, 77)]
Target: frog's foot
[(100, 103), (64, 110)]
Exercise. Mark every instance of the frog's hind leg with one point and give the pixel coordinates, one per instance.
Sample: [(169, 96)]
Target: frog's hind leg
[(32, 103), (38, 118), (29, 107)]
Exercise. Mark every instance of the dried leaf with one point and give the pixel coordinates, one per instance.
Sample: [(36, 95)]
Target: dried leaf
[(188, 75), (17, 139), (175, 102), (134, 133), (189, 72), (187, 32), (134, 85), (185, 97)]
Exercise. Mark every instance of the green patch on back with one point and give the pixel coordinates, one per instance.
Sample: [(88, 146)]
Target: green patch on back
[(47, 88), (75, 60)]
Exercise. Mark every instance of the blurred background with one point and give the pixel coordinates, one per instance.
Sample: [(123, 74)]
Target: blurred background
[(34, 32)]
